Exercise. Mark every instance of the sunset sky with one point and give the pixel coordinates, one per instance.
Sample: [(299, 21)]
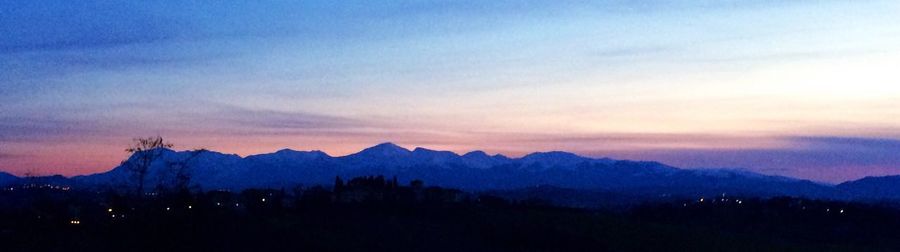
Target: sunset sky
[(807, 89)]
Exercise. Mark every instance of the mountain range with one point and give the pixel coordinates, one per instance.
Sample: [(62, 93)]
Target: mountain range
[(474, 171)]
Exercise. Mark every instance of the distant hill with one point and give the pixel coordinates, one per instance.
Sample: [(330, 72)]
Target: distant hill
[(477, 171), (6, 178), (873, 188), (472, 171)]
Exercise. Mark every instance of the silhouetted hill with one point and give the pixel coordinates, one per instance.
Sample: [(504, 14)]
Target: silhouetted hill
[(478, 171), (6, 178), (873, 188), (473, 171)]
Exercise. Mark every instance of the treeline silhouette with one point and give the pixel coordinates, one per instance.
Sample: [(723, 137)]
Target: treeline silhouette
[(375, 213)]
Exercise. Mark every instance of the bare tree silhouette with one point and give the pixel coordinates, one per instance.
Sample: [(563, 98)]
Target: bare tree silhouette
[(144, 151), (181, 169)]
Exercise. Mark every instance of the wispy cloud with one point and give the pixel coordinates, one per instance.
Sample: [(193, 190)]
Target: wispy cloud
[(821, 53), (279, 120), (185, 118), (851, 144), (140, 119), (631, 51), (24, 129)]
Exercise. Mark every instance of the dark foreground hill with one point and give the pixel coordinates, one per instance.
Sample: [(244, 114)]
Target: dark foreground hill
[(378, 214)]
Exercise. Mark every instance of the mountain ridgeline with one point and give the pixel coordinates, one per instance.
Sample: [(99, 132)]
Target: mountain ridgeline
[(535, 173)]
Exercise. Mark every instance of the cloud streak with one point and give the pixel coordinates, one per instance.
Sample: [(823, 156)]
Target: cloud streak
[(280, 120)]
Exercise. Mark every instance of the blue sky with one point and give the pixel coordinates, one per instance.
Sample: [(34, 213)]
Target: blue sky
[(798, 88)]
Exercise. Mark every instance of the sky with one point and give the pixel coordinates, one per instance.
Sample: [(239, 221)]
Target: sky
[(806, 89)]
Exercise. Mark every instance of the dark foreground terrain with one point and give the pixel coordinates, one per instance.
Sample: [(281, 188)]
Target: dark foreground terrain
[(372, 214)]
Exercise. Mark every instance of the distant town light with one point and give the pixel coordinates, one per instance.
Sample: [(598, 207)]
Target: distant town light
[(74, 222), (109, 210)]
